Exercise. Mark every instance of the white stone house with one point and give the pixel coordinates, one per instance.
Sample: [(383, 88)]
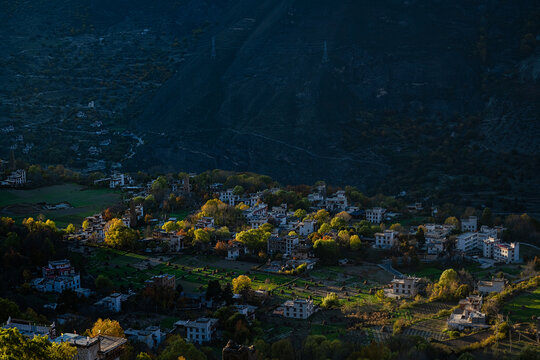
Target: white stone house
[(487, 287), (403, 287), (306, 227), (111, 303), (247, 310), (151, 336), (337, 202), (386, 239), (205, 222), (468, 243), (199, 331), (235, 250), (508, 253), (469, 224), (375, 215), (16, 178), (228, 197), (468, 315), (298, 308)]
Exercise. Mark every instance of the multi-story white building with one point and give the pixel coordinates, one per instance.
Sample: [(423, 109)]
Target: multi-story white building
[(58, 276), (101, 347), (205, 222), (404, 287), (488, 246), (435, 246), (508, 253), (30, 328), (375, 215), (315, 198), (228, 197), (235, 250), (151, 336), (386, 239), (111, 303), (16, 178), (247, 310), (298, 308), (279, 210), (475, 243), (120, 180), (283, 245), (306, 227), (468, 315), (468, 243), (337, 202), (469, 224), (199, 331)]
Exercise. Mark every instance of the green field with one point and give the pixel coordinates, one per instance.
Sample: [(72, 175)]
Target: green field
[(20, 204), (523, 307), (189, 270)]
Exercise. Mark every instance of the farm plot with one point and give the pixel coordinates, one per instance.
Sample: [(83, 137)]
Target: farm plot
[(523, 307), (82, 202), (427, 309), (131, 270), (432, 328)]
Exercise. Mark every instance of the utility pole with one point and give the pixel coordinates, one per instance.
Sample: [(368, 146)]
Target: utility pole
[(213, 47), (325, 53)]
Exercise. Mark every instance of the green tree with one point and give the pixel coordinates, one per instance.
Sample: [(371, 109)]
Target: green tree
[(462, 291), (318, 347), (176, 347), (171, 226), (324, 229), (201, 236), (397, 227), (452, 220), (8, 308), (466, 356), (322, 216), (330, 301), (338, 223), (283, 350), (120, 236), (254, 239), (355, 243), (15, 346), (380, 295), (300, 214), (143, 356), (238, 190), (70, 229), (327, 250), (103, 283), (85, 224), (420, 236), (487, 217), (160, 184)]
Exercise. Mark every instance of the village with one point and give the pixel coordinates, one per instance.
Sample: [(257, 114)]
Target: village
[(248, 266)]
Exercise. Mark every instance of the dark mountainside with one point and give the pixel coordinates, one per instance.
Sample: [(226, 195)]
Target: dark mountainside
[(413, 95), (410, 89)]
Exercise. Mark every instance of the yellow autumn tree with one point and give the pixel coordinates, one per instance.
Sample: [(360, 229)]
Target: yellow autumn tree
[(107, 327)]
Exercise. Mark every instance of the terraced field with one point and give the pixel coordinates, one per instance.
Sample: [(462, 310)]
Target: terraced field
[(432, 328), (522, 308)]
